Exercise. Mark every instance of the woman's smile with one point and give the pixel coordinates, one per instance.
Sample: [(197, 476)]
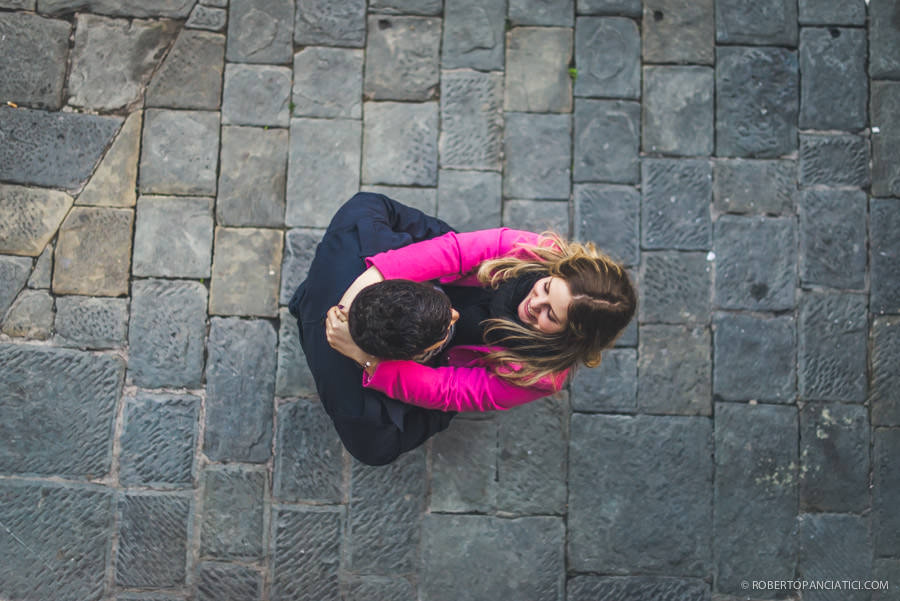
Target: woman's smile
[(545, 306)]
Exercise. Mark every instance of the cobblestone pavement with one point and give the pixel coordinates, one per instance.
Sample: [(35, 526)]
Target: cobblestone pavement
[(168, 167)]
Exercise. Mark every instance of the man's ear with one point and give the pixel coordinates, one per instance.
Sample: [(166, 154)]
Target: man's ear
[(454, 316)]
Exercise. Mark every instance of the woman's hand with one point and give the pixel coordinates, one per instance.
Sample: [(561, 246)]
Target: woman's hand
[(367, 278), (337, 332)]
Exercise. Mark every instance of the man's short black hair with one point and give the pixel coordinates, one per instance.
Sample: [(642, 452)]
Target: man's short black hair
[(399, 319)]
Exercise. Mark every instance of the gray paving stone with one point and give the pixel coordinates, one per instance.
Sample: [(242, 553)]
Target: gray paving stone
[(884, 36), (834, 160), (233, 498), (93, 252), (677, 110), (474, 32), (114, 181), (256, 95), (292, 375), (770, 22), (179, 152), (608, 57), (173, 237), (403, 56), (833, 238), (380, 588), (886, 141), (252, 177), (834, 547), (464, 475), (756, 262), (527, 551), (167, 333), (215, 3), (675, 208), (627, 8), (176, 9), (299, 250), (674, 383), (885, 520), (675, 287), (153, 532), (246, 272), (318, 182), (589, 588), (755, 358), (834, 457), (424, 199), (751, 186), (158, 440), (609, 215), (537, 215), (19, 4), (330, 23), (406, 7), (884, 241), (653, 510), (328, 83), (30, 316), (471, 120), (470, 200), (885, 336), (306, 544), (240, 390), (29, 218), (147, 597), (674, 31), (91, 322), (758, 121), (755, 493), (885, 569), (537, 76), (33, 67), (207, 17), (542, 12), (610, 387), (78, 521), (217, 581), (400, 145), (607, 140), (40, 275), (831, 357), (832, 12), (191, 75), (13, 275), (309, 462), (538, 154), (260, 31), (99, 82), (827, 56), (55, 150)]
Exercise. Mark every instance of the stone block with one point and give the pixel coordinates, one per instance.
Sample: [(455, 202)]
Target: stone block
[(470, 200), (832, 12), (833, 238), (834, 160), (19, 4), (179, 152), (471, 120), (173, 237), (474, 32), (834, 547), (607, 140), (754, 358), (756, 263), (885, 100), (751, 186), (40, 275), (424, 199), (252, 178), (885, 379), (884, 248), (153, 534), (33, 67), (769, 22), (114, 181), (306, 553), (611, 216), (256, 95), (98, 81), (677, 110), (677, 199), (831, 358), (678, 31), (191, 75), (886, 479), (537, 215), (834, 458), (240, 390), (403, 56), (464, 475), (207, 17), (93, 252), (608, 56), (330, 23), (382, 588), (670, 382), (176, 9), (610, 387), (232, 525), (542, 12), (246, 272), (626, 8), (827, 56), (90, 322), (406, 7), (14, 273), (590, 587), (167, 333), (29, 218), (159, 434), (328, 83), (292, 376), (318, 182), (675, 287), (526, 555), (884, 37), (31, 315), (299, 250), (309, 462), (538, 153), (400, 145), (537, 76), (217, 581), (260, 31), (758, 121)]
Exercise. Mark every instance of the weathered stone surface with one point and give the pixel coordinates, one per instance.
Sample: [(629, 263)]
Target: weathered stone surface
[(406, 7), (153, 532), (528, 552), (885, 569), (885, 379), (833, 238), (678, 31), (884, 36), (677, 198), (537, 215), (382, 588), (542, 12), (884, 265), (771, 22), (216, 581), (256, 95), (834, 457), (166, 333), (252, 177), (179, 152), (831, 358), (608, 55), (677, 110), (627, 8), (885, 519), (57, 150), (292, 376), (424, 199), (834, 160), (260, 31), (886, 141), (75, 521), (31, 315), (306, 553), (671, 381), (308, 455), (755, 493), (402, 58), (758, 121), (612, 386), (607, 139), (113, 59), (176, 9), (470, 200), (91, 322), (113, 182), (240, 390), (40, 275), (29, 218), (19, 4), (330, 23), (464, 475), (827, 56), (233, 512), (13, 275), (537, 77), (471, 120), (611, 216), (246, 272), (173, 237), (756, 262), (675, 287), (328, 83), (33, 67), (191, 75), (754, 358), (93, 252), (589, 588), (400, 144), (742, 186), (158, 440), (832, 12), (318, 182), (834, 547), (473, 34), (299, 250), (538, 153), (207, 17)]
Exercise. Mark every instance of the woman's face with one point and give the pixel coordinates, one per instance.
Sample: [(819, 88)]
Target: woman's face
[(546, 306)]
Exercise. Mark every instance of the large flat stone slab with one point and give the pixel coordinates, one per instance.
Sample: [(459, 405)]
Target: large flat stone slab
[(91, 322), (173, 237), (191, 75), (833, 238), (306, 543), (330, 23), (328, 83), (885, 336), (93, 252), (406, 7), (608, 56), (256, 95), (153, 534), (400, 144), (677, 111), (674, 31), (538, 215), (260, 31), (227, 581), (464, 476), (245, 272), (292, 376), (834, 160), (252, 177), (537, 77), (884, 241), (886, 480), (471, 120), (29, 218), (676, 287), (754, 186), (837, 548), (14, 273), (754, 358), (542, 12), (885, 102), (610, 387), (33, 67), (30, 316), (538, 154), (474, 33), (114, 181), (828, 55), (383, 588), (607, 141), (670, 382), (611, 216), (233, 510), (309, 464), (833, 12), (470, 200), (179, 152), (40, 274), (675, 209), (884, 36), (207, 17), (176, 9), (299, 250), (402, 58), (590, 587), (769, 22)]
